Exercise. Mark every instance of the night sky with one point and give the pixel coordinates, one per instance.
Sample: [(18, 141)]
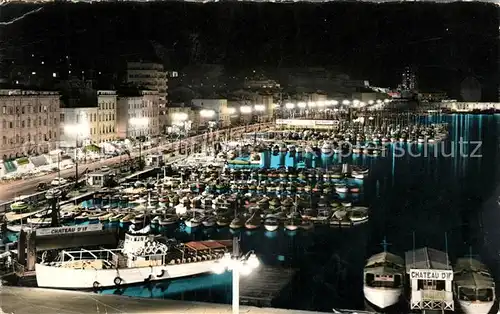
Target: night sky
[(446, 43)]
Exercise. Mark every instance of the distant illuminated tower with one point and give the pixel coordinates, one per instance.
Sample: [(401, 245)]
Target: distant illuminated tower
[(409, 79)]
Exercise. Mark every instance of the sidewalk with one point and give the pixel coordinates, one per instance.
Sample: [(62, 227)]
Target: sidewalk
[(45, 301)]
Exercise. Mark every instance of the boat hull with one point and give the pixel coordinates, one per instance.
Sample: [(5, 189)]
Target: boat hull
[(291, 227), (271, 227), (69, 278), (382, 297), (475, 307)]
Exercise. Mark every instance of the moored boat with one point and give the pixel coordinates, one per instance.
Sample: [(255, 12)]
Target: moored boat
[(140, 260), (383, 279), (271, 224), (474, 287)]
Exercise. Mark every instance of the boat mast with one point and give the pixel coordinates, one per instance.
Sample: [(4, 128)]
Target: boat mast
[(385, 244)]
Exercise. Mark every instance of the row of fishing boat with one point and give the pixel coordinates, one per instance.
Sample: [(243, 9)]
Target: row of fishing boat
[(359, 134)]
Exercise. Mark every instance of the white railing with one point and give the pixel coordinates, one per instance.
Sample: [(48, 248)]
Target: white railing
[(431, 295), (88, 255)]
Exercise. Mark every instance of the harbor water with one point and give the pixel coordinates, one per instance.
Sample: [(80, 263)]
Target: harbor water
[(436, 197)]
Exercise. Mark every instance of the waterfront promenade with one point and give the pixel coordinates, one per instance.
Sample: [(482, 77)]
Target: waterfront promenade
[(11, 189), (45, 301)]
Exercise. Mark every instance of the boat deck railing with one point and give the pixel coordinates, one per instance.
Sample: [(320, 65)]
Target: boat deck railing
[(105, 254)]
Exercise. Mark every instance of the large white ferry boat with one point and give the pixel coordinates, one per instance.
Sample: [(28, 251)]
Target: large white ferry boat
[(141, 259)]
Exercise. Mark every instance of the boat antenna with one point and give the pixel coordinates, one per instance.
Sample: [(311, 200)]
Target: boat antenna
[(446, 247), (385, 244), (414, 257)]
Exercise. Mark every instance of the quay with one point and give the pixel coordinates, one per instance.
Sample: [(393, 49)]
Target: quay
[(36, 300)]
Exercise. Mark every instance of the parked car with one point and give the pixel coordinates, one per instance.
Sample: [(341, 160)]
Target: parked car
[(58, 181)]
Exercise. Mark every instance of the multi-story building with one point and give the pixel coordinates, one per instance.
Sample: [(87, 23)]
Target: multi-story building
[(138, 115), (29, 122), (79, 126), (90, 124), (409, 79), (151, 76), (218, 106), (106, 101)]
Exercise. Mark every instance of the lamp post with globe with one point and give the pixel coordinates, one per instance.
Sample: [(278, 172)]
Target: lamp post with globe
[(238, 264)]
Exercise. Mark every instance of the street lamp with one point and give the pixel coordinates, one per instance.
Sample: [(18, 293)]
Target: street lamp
[(140, 123), (238, 264), (207, 113), (81, 129), (246, 109)]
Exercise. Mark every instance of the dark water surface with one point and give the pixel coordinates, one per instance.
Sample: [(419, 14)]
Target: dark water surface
[(440, 201)]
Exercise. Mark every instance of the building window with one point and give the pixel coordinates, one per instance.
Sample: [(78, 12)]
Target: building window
[(22, 110), (4, 140), (29, 123), (10, 125), (22, 124), (4, 110)]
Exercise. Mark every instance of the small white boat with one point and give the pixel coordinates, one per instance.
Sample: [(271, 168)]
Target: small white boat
[(358, 215), (271, 224), (116, 218), (192, 222), (383, 279), (326, 148), (253, 222), (340, 218), (209, 221), (40, 222), (341, 188), (169, 220), (292, 224), (236, 223), (474, 287), (358, 175), (18, 228)]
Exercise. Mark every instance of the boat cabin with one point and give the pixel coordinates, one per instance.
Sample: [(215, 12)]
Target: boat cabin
[(98, 179), (384, 270), (473, 281), (431, 278)]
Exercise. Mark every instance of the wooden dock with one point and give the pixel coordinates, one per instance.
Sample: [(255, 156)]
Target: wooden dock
[(266, 287)]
